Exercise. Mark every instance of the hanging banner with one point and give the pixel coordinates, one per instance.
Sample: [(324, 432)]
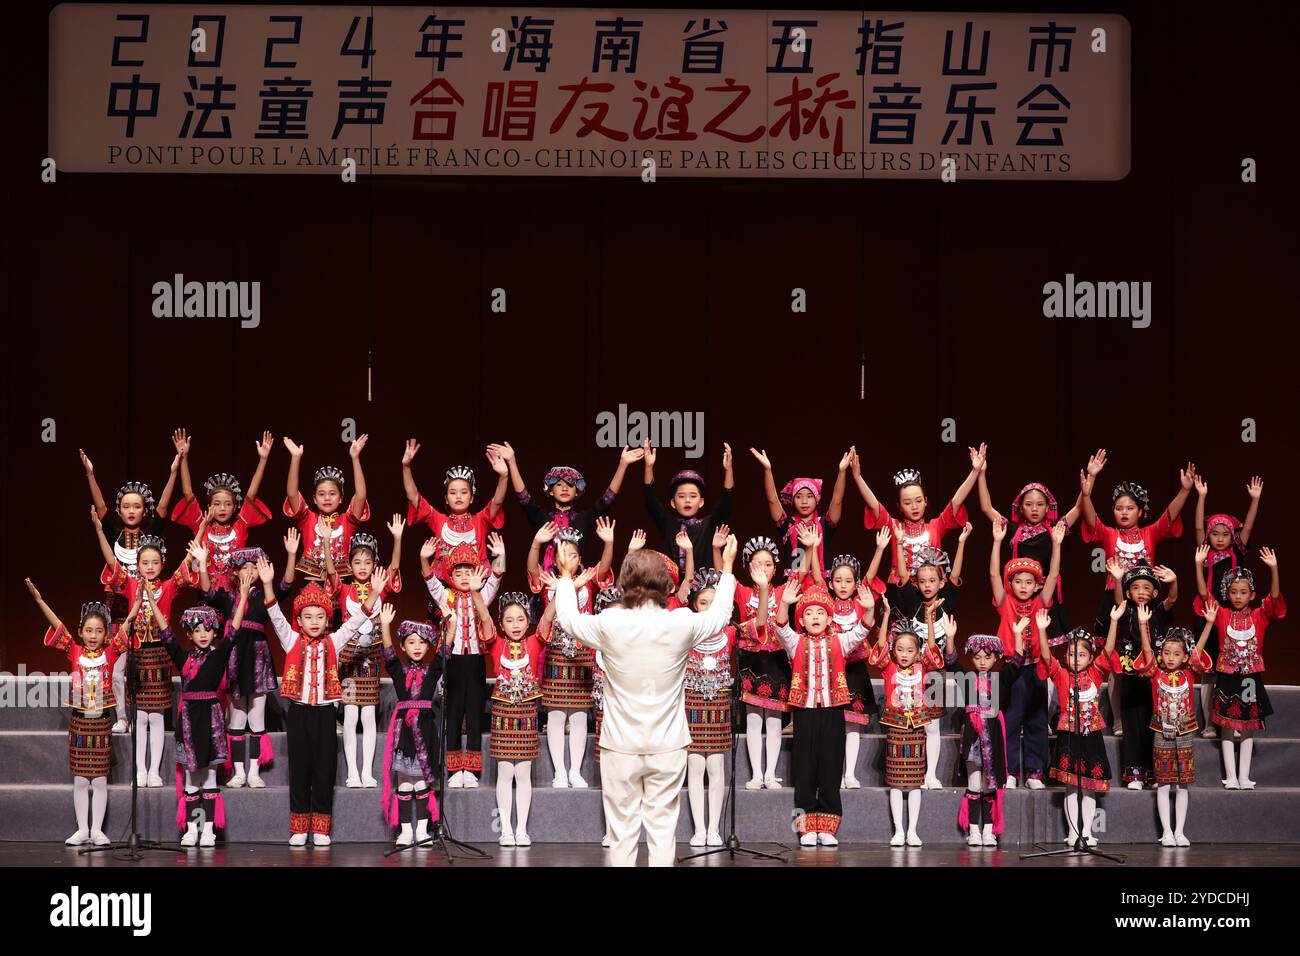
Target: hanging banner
[(588, 92)]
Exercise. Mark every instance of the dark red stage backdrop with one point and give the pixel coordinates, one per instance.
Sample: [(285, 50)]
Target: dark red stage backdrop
[(673, 296)]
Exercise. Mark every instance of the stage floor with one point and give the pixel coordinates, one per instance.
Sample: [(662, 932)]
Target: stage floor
[(587, 855)]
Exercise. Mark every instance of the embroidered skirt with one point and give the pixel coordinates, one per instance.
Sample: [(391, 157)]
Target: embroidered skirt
[(1174, 759), (862, 696), (252, 672), (765, 679), (90, 744), (710, 722), (201, 734), (514, 731), (360, 679), (904, 758), (566, 681), (1241, 701), (153, 678), (1083, 755)]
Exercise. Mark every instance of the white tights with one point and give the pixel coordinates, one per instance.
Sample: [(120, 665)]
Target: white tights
[(149, 735), (248, 713), (852, 741), (696, 764), (755, 719), (577, 721), (913, 810), (90, 809), (1072, 813), (932, 750), (519, 774), (1180, 808), (1231, 773), (367, 715)]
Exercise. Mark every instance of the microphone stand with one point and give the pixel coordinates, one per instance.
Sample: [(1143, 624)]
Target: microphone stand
[(732, 845), (132, 844), (440, 833), (1080, 844)]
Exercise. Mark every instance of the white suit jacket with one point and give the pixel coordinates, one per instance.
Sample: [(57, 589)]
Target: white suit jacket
[(644, 651)]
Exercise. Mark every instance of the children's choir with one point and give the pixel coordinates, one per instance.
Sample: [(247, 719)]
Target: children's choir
[(799, 651)]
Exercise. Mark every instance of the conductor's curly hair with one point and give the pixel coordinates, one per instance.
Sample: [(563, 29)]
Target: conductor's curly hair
[(644, 578)]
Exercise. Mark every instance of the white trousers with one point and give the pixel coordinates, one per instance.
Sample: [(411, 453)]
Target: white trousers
[(642, 790)]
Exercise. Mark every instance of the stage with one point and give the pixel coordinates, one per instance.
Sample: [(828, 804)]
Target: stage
[(587, 855)]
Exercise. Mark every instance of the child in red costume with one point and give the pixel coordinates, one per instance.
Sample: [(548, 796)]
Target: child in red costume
[(327, 525), (459, 525)]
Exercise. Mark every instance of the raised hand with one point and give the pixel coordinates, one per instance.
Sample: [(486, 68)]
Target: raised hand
[(1201, 487), (1202, 552), (497, 463), (181, 441), (1043, 618), (759, 578), (720, 535), (495, 544), (478, 577), (412, 449), (387, 614), (198, 553), (1059, 531), (605, 529), (546, 532), (1096, 463), (729, 550), (1115, 569), (1210, 609), (965, 533), (884, 536), (865, 596), (1256, 487), (264, 446), (396, 525), (683, 541), (86, 463), (566, 559), (637, 542), (726, 456), (429, 548), (1144, 614), (1118, 610), (502, 451), (265, 571), (1187, 476), (649, 453), (1163, 574), (846, 459), (999, 530), (1022, 625), (629, 455), (295, 450), (292, 541), (378, 581), (1268, 556), (354, 450), (94, 518), (761, 458), (32, 588)]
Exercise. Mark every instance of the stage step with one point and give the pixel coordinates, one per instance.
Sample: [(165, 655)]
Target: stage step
[(44, 813), (40, 757)]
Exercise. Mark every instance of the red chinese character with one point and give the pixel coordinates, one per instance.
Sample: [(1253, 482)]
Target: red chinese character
[(511, 110), (591, 123), (714, 125), (673, 121), (813, 117), (428, 97)]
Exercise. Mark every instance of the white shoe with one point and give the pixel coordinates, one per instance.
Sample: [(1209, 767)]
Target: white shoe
[(771, 782), (1092, 840), (1134, 784), (119, 727), (1168, 839), (827, 839), (990, 838), (1231, 784), (1034, 783), (561, 781), (368, 781), (576, 781), (523, 839), (808, 839), (155, 780), (973, 838), (1182, 840), (320, 839), (913, 839), (1071, 837), (208, 837), (852, 783), (606, 842), (1210, 731), (1247, 784), (352, 782), (99, 838), (237, 780), (714, 839), (298, 839), (506, 838), (469, 781), (405, 837), (1011, 783), (1118, 731), (754, 783), (141, 779), (700, 838), (422, 831), (79, 838), (191, 837), (932, 783), (255, 780), (898, 839)]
